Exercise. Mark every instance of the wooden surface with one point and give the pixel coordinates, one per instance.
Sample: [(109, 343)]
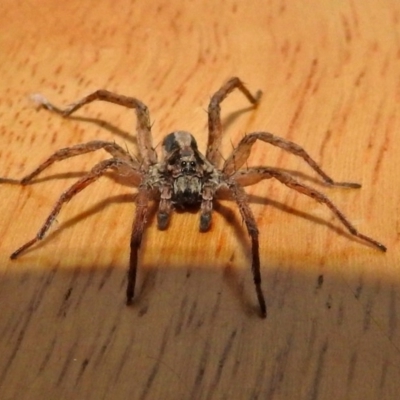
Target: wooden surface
[(329, 71)]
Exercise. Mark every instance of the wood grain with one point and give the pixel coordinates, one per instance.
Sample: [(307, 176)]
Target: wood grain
[(329, 73)]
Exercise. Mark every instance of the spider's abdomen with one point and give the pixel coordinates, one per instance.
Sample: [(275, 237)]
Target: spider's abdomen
[(187, 190)]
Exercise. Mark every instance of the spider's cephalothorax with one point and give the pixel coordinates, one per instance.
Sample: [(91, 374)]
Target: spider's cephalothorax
[(185, 167), (184, 177)]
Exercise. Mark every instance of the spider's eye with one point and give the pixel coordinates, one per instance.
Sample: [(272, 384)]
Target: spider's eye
[(183, 164), (192, 164)]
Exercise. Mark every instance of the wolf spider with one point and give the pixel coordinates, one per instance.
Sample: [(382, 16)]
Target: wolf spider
[(184, 177)]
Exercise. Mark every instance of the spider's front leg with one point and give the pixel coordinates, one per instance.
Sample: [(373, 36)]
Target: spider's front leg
[(240, 197), (146, 149), (139, 224), (213, 153), (253, 175)]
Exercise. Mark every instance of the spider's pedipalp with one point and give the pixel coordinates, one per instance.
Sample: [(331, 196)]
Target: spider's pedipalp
[(164, 207), (206, 207)]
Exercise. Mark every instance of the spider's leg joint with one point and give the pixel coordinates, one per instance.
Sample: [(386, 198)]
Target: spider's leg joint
[(205, 221), (162, 220), (257, 97)]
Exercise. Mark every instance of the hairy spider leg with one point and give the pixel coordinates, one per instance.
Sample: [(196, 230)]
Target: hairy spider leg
[(112, 148), (242, 152), (254, 175), (146, 150), (139, 224), (95, 173), (213, 153), (240, 197)]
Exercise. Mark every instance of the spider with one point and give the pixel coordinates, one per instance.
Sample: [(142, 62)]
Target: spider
[(184, 177)]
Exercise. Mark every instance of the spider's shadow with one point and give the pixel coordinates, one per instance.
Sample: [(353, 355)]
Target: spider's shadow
[(126, 136), (226, 122), (124, 180), (229, 119)]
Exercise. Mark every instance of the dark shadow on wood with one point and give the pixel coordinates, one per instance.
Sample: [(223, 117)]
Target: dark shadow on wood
[(129, 137)]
